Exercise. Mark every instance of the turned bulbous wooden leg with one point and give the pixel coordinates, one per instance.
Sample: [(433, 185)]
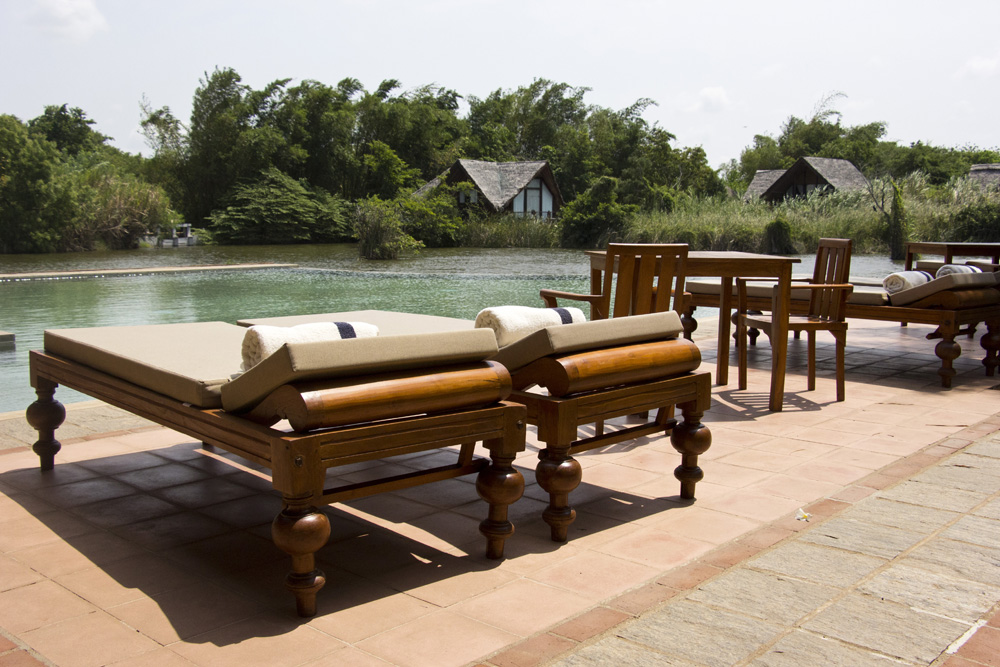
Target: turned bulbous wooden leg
[(300, 530), (558, 474), (45, 415), (499, 485), (690, 438), (991, 343), (947, 351)]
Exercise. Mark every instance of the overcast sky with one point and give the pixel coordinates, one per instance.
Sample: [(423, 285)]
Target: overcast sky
[(720, 71)]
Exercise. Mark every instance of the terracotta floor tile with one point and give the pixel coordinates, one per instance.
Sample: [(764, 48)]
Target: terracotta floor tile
[(161, 657), (165, 532), (834, 473), (125, 510), (185, 612), (795, 488), (120, 463), (204, 492), (56, 558), (446, 581), (596, 576), (761, 460), (360, 614), (418, 643), (733, 476), (39, 604), (590, 624), (983, 647), (87, 491), (41, 529), (753, 505), (92, 639), (261, 640), (505, 607), (245, 512), (346, 656), (705, 525), (128, 579), (14, 574), (656, 548)]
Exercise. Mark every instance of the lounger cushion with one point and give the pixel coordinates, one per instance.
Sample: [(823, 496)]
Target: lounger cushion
[(954, 280), (590, 335), (300, 362), (388, 323), (189, 362)]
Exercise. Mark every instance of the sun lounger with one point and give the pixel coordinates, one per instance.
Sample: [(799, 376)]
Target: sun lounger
[(345, 402), (954, 304), (586, 373), (599, 370)]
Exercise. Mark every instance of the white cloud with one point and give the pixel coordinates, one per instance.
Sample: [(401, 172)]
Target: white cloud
[(979, 67), (712, 100), (72, 20)]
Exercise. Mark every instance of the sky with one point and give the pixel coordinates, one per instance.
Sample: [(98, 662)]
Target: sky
[(719, 71)]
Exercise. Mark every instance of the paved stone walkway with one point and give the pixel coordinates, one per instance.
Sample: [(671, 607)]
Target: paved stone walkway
[(909, 575)]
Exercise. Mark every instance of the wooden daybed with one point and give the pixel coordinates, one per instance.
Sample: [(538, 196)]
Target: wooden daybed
[(954, 305), (576, 374), (345, 401)]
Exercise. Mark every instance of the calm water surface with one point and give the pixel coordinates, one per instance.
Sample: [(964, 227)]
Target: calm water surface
[(329, 278)]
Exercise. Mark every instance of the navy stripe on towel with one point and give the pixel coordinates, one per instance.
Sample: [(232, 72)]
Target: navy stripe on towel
[(564, 315), (346, 330), (927, 273)]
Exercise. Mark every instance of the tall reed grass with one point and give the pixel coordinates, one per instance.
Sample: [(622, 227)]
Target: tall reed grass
[(731, 224)]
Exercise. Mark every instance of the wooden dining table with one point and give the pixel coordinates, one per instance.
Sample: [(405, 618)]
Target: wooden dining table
[(728, 265)]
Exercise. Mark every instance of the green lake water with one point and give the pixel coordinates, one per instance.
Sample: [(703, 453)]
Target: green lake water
[(329, 278)]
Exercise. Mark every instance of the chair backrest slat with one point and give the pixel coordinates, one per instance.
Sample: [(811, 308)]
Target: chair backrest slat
[(833, 265), (650, 278)]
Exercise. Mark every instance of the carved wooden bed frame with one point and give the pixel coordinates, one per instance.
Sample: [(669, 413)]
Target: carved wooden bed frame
[(298, 460)]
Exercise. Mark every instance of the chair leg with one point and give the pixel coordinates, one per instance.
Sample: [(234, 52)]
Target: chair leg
[(741, 347), (811, 337), (841, 337), (46, 415), (558, 474)]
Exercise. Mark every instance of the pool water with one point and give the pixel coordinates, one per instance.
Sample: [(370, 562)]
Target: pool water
[(329, 278)]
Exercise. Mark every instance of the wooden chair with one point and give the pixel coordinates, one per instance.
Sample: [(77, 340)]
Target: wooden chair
[(829, 289), (642, 268)]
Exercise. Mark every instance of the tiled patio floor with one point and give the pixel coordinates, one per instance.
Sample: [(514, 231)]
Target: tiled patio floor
[(142, 547)]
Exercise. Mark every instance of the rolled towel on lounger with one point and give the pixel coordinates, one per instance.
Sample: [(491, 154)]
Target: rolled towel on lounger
[(511, 323), (901, 280), (949, 269), (262, 340)]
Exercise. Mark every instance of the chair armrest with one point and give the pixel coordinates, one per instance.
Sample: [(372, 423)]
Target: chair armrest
[(550, 296)]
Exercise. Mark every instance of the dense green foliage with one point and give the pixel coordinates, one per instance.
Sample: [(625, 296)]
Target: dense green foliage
[(824, 136), (314, 162), (62, 188)]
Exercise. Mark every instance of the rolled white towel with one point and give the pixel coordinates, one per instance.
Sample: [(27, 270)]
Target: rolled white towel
[(511, 323), (262, 340), (901, 280), (949, 269)]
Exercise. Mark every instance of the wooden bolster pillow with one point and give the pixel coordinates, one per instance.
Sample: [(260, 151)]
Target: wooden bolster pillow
[(610, 367), (322, 404), (962, 298)]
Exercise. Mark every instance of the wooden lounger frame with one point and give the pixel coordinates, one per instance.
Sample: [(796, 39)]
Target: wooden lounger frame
[(596, 385), (298, 461), (949, 321)]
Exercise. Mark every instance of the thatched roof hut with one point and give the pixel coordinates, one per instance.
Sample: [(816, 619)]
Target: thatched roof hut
[(519, 187), (805, 176), (987, 175)]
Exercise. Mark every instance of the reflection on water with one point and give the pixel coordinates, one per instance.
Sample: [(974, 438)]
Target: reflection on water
[(449, 282)]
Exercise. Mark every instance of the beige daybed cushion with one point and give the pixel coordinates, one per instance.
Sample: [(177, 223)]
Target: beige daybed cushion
[(300, 362), (940, 284), (188, 362), (567, 338), (388, 323)]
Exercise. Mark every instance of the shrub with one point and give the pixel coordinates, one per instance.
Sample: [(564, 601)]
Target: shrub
[(897, 232), (978, 223), (379, 228), (778, 236), (596, 216)]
